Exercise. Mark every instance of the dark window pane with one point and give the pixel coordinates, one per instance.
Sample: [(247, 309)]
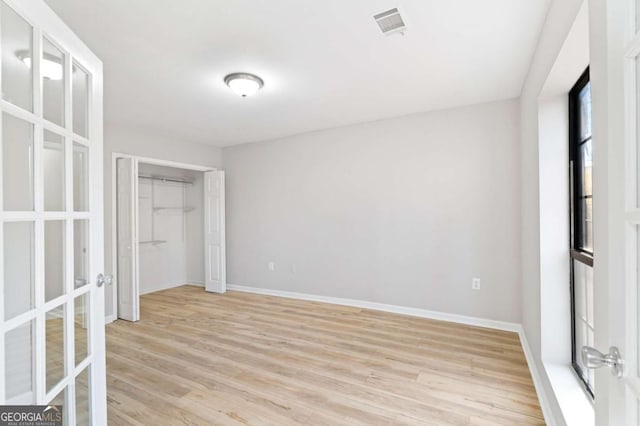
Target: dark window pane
[(584, 99), (585, 224)]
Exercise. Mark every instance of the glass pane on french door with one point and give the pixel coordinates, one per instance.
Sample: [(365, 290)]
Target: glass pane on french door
[(17, 49), (53, 82), (45, 233)]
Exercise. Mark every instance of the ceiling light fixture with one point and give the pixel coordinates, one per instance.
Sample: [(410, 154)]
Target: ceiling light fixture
[(50, 66), (244, 84)]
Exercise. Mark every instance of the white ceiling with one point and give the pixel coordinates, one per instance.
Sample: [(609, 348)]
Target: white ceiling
[(325, 63)]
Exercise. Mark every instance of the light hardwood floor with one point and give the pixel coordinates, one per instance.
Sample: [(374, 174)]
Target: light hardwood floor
[(234, 359), (54, 365)]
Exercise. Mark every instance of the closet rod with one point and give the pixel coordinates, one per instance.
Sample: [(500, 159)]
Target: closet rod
[(166, 179)]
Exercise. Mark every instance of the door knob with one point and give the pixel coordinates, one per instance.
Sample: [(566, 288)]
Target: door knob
[(593, 358), (104, 279)]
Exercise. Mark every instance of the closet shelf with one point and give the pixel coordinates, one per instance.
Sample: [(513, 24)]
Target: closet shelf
[(184, 209), (154, 242)]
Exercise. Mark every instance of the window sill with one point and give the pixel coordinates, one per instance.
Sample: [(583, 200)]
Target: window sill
[(576, 405)]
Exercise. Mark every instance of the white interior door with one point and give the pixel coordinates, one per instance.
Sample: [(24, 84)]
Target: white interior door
[(127, 216), (214, 229), (52, 346), (615, 78)]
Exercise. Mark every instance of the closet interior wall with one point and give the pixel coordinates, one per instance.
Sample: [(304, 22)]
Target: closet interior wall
[(170, 227)]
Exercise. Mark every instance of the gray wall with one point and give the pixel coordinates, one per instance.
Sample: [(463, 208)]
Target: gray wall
[(194, 226), (402, 211), (179, 259)]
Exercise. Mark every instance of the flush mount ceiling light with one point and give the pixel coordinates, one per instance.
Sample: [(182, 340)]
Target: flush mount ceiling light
[(50, 66), (244, 84)]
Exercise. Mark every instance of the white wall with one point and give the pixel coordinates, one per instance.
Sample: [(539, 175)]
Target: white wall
[(402, 211), (132, 142), (194, 231), (558, 24), (181, 254), (554, 229), (161, 265)]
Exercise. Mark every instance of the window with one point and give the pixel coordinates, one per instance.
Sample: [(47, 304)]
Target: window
[(581, 243)]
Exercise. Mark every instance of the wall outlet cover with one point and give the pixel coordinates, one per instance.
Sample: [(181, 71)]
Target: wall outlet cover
[(475, 284)]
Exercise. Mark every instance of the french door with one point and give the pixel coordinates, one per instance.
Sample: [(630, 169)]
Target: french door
[(52, 348), (615, 77)]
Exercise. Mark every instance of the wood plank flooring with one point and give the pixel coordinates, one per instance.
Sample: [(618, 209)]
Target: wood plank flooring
[(54, 366), (245, 359)]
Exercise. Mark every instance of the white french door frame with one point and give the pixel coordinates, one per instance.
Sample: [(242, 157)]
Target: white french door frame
[(614, 49), (46, 23), (114, 195), (632, 211)]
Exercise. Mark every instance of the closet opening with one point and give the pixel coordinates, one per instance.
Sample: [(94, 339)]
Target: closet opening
[(169, 229)]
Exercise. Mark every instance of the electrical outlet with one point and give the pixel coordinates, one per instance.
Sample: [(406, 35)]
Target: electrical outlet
[(475, 283), (272, 266), (293, 268)]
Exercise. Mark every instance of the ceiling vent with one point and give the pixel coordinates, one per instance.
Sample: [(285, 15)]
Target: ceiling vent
[(390, 22)]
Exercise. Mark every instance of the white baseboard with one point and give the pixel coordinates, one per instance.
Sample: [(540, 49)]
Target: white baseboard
[(543, 398), (167, 286), (56, 313), (415, 312)]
